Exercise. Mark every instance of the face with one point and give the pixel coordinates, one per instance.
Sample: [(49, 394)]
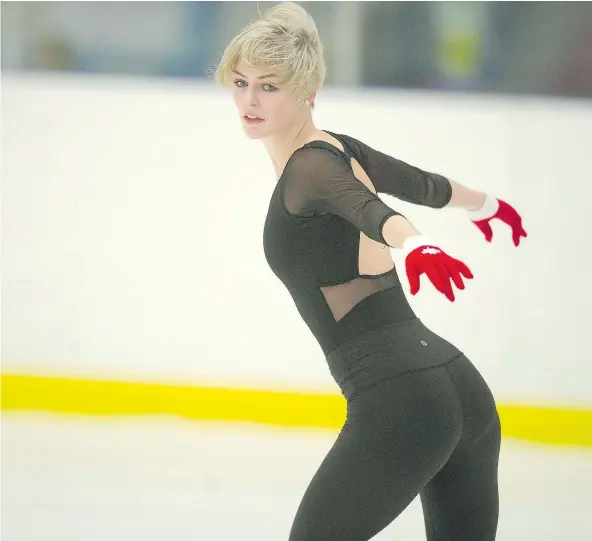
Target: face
[(258, 94)]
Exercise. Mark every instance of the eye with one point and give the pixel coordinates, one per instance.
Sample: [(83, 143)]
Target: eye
[(238, 83), (269, 88)]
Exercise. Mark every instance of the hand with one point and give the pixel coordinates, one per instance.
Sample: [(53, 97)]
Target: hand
[(496, 208), (422, 256)]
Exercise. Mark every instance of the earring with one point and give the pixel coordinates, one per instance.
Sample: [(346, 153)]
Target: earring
[(307, 102)]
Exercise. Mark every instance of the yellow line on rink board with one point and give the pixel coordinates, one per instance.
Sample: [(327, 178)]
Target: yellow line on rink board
[(540, 424)]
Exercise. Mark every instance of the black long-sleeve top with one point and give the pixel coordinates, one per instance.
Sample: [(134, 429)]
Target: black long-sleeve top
[(312, 230)]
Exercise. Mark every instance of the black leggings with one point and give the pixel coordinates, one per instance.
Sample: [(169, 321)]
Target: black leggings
[(420, 420)]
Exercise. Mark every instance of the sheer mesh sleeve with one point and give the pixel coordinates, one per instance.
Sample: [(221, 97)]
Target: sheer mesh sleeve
[(399, 179), (318, 181)]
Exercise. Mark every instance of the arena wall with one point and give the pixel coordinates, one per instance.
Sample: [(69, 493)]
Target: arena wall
[(134, 279)]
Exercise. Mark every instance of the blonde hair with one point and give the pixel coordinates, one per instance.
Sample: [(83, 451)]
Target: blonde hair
[(284, 40)]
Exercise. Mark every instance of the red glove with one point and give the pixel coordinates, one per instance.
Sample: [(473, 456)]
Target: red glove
[(496, 208), (422, 256)]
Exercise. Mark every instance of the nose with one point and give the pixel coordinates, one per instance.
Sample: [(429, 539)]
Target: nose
[(251, 97)]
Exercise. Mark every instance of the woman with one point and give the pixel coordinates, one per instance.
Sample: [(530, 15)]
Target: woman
[(420, 418)]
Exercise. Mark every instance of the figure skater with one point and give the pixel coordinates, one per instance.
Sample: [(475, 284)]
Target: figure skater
[(420, 417)]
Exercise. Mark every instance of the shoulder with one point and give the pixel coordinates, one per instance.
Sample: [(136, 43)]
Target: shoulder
[(342, 145), (329, 150), (319, 153), (316, 162), (349, 142)]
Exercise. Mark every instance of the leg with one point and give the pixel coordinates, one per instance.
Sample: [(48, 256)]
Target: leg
[(461, 501), (398, 434)]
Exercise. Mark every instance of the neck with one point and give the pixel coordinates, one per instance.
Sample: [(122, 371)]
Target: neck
[(282, 145)]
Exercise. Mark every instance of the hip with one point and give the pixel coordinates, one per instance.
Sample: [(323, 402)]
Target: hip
[(388, 352)]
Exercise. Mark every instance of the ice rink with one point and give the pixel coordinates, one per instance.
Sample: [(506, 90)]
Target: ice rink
[(69, 478)]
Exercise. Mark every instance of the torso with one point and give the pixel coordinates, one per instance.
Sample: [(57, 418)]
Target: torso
[(343, 282)]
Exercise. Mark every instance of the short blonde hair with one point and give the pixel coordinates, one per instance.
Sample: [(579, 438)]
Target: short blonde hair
[(285, 41)]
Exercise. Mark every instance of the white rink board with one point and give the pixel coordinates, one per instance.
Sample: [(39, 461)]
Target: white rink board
[(133, 216)]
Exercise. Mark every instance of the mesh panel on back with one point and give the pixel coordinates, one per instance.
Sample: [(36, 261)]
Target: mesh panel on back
[(342, 298)]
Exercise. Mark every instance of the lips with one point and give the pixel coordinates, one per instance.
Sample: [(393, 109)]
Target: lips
[(254, 120)]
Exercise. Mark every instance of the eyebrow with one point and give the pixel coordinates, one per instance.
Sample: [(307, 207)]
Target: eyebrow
[(266, 76)]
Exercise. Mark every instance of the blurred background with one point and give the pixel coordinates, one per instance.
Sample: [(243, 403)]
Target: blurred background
[(540, 48), (157, 382)]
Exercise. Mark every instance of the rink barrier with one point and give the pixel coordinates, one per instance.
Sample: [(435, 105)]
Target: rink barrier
[(538, 424)]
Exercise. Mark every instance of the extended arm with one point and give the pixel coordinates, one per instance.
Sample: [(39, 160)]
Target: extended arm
[(320, 183), (464, 197), (400, 179), (414, 185)]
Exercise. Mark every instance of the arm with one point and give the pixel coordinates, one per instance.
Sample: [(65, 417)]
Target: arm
[(320, 182), (402, 180), (414, 185), (397, 230), (411, 184), (465, 198)]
